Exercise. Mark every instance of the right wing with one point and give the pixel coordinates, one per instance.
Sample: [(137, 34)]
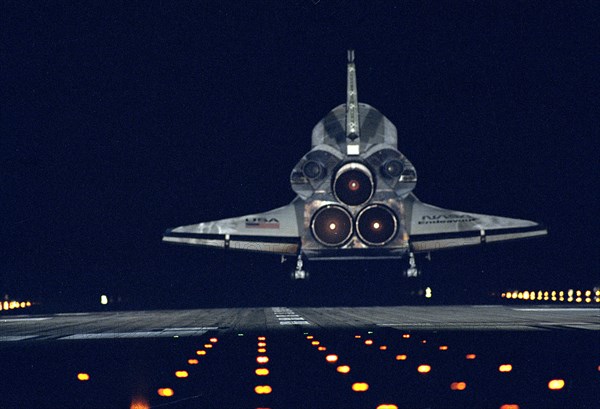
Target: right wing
[(275, 231), (433, 228)]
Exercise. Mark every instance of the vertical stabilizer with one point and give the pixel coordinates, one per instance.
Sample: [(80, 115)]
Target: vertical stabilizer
[(352, 118)]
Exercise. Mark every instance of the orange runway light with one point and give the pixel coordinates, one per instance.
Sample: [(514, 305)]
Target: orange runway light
[(343, 369), (193, 361), (509, 406), (357, 336), (262, 338), (368, 342), (214, 340), (200, 352), (208, 346), (424, 341), (182, 374), (401, 357), (387, 406), (139, 403), (322, 348), (261, 350), (263, 389), (470, 356), (556, 384), (360, 387), (262, 344), (424, 368), (309, 337), (383, 348), (166, 392), (331, 358), (505, 368), (444, 348), (315, 343), (458, 386), (82, 376), (261, 371), (406, 336), (262, 359)]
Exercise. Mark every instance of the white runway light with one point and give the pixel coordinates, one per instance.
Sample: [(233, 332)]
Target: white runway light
[(103, 299)]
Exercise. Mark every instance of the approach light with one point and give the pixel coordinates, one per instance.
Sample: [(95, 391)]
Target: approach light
[(360, 387), (556, 384), (182, 374), (263, 389), (331, 358), (166, 392), (458, 386)]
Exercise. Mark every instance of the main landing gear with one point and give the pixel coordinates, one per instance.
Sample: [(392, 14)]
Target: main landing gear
[(299, 273), (412, 270)]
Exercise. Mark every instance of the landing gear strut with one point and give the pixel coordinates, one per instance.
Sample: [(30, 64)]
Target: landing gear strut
[(412, 270), (299, 273)]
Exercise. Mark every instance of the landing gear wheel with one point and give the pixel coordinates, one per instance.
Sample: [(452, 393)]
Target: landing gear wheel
[(299, 273), (412, 271)]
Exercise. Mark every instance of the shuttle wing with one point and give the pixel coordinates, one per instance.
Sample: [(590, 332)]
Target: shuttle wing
[(275, 231), (433, 228)]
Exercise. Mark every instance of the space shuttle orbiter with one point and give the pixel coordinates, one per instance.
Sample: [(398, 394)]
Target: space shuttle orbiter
[(354, 201)]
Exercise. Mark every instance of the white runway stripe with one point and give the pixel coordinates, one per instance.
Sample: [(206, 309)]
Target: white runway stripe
[(288, 317)]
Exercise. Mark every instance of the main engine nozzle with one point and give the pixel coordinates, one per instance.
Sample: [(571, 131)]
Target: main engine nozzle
[(376, 225), (353, 184), (332, 225)]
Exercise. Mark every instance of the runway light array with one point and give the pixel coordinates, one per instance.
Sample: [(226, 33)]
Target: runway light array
[(564, 296), (8, 305)]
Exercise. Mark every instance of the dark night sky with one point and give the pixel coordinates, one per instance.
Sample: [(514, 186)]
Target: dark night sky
[(120, 121)]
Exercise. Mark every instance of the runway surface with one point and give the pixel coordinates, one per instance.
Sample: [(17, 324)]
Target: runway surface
[(372, 357), (142, 324)]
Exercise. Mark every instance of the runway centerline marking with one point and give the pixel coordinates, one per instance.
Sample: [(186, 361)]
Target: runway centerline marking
[(286, 316)]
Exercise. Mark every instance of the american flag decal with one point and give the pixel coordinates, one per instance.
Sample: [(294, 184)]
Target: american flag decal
[(262, 223)]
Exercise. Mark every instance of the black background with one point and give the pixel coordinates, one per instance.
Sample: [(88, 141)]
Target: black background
[(121, 120)]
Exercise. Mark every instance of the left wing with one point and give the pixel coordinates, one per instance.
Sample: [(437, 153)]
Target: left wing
[(276, 231), (433, 228)]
